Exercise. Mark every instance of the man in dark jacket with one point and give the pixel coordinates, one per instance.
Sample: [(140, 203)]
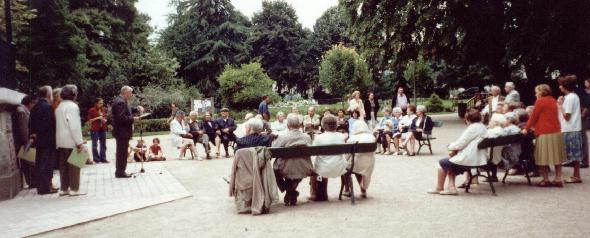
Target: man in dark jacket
[(226, 127), (42, 135), (20, 125), (123, 129)]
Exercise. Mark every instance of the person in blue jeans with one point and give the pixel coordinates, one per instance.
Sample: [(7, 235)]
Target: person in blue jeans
[(97, 118)]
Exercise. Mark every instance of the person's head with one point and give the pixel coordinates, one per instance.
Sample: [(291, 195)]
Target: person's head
[(173, 105), (295, 110), (386, 111), (57, 95), (509, 107), (293, 122), (327, 111), (472, 116), (193, 115), (311, 111), (280, 116), (27, 102), (99, 102), (400, 90), (508, 87), (45, 92), (248, 116), (180, 115), (567, 83), (359, 127), (511, 119), (542, 90), (341, 113), (140, 142), (253, 126), (330, 123), (156, 141), (529, 110), (127, 93), (267, 99), (397, 112), (355, 114), (356, 95), (258, 116), (207, 116), (69, 92), (500, 107), (371, 95), (411, 109), (523, 117), (420, 110), (224, 112), (495, 91)]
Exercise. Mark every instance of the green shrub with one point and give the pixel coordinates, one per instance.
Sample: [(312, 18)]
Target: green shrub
[(343, 71), (435, 104), (244, 87)]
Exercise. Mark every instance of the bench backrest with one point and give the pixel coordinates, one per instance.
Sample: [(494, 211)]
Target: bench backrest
[(307, 151), (500, 141)]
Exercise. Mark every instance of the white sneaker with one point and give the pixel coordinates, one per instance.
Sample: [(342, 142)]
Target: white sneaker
[(64, 193), (76, 193)]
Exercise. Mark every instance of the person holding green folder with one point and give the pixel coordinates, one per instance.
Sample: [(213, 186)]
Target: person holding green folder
[(69, 140)]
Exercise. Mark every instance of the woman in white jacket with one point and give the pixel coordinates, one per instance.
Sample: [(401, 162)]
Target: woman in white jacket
[(463, 152), (68, 137), (363, 162)]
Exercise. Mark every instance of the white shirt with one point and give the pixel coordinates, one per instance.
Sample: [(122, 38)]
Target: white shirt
[(495, 100), (330, 166), (571, 105), (402, 101), (278, 126), (68, 127), (513, 96), (177, 129)]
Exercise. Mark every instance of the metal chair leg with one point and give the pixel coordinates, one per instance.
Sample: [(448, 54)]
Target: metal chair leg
[(490, 182), (351, 187), (469, 178), (342, 184)]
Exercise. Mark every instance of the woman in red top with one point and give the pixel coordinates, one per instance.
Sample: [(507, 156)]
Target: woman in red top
[(550, 147), (97, 118)]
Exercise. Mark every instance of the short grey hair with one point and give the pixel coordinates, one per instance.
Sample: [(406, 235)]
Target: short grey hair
[(193, 113), (509, 84), (69, 92), (495, 88), (280, 114), (254, 124), (125, 89), (330, 123), (421, 108), (248, 116), (180, 113), (293, 120), (397, 109)]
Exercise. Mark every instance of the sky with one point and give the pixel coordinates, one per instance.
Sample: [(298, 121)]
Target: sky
[(307, 10)]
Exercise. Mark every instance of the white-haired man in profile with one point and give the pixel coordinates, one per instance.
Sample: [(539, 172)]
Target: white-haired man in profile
[(512, 96), (253, 138), (494, 99), (289, 172)]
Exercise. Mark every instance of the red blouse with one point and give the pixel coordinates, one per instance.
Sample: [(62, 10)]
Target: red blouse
[(545, 119)]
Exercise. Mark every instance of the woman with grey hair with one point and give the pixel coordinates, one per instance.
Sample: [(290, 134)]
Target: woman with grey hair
[(363, 162), (280, 125), (330, 166), (421, 127), (68, 137), (180, 136), (253, 138)]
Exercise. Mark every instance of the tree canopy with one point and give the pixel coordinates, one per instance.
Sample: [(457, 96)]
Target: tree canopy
[(343, 71)]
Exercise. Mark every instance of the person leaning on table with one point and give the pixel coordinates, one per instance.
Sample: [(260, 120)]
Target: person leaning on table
[(463, 152), (68, 138)]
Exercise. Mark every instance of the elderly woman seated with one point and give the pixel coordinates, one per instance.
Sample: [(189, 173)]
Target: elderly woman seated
[(253, 138), (289, 172), (463, 152), (180, 136), (421, 127), (331, 166), (280, 125), (383, 129), (363, 162)]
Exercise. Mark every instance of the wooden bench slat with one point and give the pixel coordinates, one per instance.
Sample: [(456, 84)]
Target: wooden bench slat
[(500, 141), (307, 151)]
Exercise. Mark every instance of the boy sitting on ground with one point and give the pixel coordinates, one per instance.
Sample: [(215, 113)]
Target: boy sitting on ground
[(155, 152)]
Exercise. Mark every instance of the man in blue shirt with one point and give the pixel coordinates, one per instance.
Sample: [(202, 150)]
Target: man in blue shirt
[(263, 107)]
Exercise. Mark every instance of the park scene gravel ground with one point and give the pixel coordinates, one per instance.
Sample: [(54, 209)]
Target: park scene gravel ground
[(397, 205)]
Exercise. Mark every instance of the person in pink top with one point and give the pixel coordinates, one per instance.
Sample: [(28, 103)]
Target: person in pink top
[(550, 146)]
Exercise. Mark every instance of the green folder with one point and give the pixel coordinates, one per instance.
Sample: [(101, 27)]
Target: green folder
[(27, 153), (78, 159)]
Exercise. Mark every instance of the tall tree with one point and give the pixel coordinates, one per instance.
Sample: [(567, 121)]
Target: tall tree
[(204, 36), (278, 42)]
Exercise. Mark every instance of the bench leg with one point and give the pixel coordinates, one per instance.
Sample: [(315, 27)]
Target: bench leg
[(490, 182), (505, 175), (429, 146), (469, 178), (420, 144), (342, 184), (351, 187)]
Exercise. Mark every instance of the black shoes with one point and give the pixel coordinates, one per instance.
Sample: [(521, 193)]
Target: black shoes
[(122, 176), (51, 191), (493, 179)]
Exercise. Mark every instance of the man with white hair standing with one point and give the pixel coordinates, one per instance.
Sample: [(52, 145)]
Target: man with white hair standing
[(289, 172), (512, 96), (123, 128)]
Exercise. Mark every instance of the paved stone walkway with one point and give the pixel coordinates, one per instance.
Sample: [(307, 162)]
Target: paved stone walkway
[(30, 213)]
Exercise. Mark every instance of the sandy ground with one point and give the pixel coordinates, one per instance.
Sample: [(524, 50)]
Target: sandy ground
[(397, 206)]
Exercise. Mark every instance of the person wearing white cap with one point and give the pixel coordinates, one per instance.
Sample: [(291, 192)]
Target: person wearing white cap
[(511, 94)]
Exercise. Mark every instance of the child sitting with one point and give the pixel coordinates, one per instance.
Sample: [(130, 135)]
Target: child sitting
[(139, 151), (155, 152)]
